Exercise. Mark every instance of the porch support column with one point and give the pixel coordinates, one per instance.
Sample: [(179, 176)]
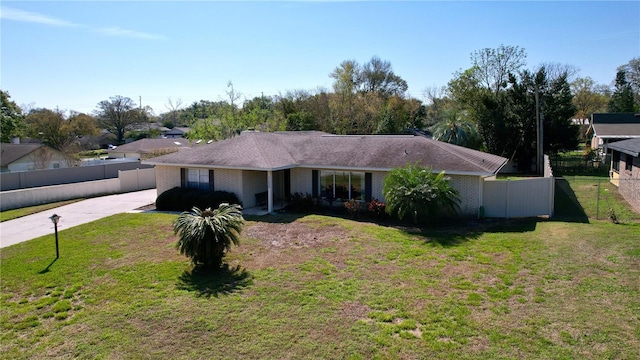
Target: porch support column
[(270, 191)]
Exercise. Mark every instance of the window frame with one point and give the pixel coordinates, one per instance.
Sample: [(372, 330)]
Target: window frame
[(335, 191), (200, 180), (628, 162)]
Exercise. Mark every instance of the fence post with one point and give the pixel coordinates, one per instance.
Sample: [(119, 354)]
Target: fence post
[(507, 199), (598, 202)]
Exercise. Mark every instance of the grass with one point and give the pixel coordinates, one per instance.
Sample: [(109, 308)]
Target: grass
[(594, 198), (323, 287), (16, 213)]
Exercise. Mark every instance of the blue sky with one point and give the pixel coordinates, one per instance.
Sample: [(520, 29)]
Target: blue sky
[(73, 55)]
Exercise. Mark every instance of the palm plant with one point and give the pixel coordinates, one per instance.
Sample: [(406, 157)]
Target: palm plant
[(455, 128), (417, 192), (206, 236)]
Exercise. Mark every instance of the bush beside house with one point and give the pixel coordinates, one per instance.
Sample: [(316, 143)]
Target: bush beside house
[(184, 199)]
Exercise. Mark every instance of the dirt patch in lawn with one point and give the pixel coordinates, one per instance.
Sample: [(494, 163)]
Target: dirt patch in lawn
[(293, 235)]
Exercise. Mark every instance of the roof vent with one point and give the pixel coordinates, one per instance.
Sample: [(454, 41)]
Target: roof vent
[(406, 152)]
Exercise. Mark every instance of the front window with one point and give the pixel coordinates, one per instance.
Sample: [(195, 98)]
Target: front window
[(198, 179), (342, 185), (628, 165)]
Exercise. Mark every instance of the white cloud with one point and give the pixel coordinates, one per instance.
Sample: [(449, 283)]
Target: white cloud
[(117, 31), (26, 16)]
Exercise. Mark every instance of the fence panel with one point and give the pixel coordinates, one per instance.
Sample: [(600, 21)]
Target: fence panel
[(38, 178), (138, 179), (130, 180), (518, 198)]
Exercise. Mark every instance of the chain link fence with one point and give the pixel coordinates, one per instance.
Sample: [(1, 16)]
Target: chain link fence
[(591, 197)]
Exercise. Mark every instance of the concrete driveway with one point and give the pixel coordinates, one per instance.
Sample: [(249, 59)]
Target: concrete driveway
[(36, 225)]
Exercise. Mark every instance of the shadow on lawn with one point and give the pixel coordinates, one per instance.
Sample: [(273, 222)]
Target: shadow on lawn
[(445, 231), (213, 283), (282, 217), (567, 207), (457, 232), (46, 270)]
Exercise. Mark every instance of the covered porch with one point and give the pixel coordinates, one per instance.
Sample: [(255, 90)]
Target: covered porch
[(265, 192)]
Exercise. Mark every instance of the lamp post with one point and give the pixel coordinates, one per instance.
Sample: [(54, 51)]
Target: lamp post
[(54, 219)]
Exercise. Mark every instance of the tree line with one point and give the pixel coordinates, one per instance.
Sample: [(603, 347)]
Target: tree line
[(494, 105)]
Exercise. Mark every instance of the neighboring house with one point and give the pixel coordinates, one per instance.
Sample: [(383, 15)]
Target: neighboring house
[(148, 148), (26, 157), (271, 166), (611, 127), (176, 132), (96, 142), (625, 170)]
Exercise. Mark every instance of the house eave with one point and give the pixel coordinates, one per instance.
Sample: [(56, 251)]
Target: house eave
[(619, 136), (307, 166), (208, 166)]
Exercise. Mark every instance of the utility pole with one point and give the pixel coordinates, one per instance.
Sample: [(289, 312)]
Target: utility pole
[(539, 148)]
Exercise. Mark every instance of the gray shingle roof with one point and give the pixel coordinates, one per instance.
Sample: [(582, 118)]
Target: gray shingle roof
[(12, 152), (631, 146), (281, 150), (616, 125)]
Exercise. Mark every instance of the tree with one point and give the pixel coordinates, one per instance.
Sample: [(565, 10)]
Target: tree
[(365, 99), (632, 72), (347, 78), (493, 66), (417, 192), (377, 76), (456, 128), (173, 108), (622, 97), (51, 128), (560, 134), (12, 122), (206, 236), (507, 122), (118, 115), (587, 98), (437, 100)]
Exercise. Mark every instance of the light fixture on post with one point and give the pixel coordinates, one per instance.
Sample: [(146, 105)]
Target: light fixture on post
[(54, 219)]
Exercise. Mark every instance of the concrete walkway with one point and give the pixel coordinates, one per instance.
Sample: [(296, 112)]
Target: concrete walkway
[(36, 225)]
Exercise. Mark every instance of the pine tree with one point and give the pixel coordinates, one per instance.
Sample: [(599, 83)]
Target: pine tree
[(622, 98)]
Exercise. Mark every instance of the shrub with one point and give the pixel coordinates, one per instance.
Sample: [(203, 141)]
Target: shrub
[(302, 203), (353, 207), (181, 199), (376, 209), (417, 193), (206, 236)]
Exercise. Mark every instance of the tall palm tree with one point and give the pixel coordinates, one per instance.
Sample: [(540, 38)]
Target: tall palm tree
[(455, 128), (417, 192), (206, 236)]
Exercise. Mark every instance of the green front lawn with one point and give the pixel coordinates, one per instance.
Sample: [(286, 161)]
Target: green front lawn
[(322, 287)]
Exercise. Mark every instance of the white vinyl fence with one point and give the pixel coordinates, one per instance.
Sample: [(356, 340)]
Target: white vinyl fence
[(518, 198), (129, 180)]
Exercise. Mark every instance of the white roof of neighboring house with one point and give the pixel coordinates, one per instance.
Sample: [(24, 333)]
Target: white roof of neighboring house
[(148, 145)]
